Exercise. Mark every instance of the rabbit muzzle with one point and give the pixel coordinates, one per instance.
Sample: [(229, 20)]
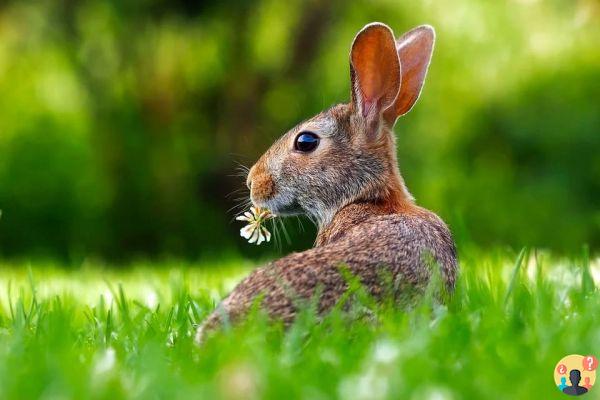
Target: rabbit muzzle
[(260, 182), (264, 193)]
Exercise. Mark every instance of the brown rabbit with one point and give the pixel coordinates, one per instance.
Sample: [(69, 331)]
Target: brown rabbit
[(340, 168)]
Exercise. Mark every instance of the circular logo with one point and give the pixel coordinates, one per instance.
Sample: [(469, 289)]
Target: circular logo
[(576, 374)]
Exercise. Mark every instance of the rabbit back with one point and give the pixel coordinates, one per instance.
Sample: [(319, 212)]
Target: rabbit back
[(397, 245)]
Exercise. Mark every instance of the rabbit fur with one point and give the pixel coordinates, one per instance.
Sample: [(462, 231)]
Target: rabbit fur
[(351, 186)]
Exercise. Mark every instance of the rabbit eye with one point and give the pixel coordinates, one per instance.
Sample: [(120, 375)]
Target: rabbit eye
[(306, 142)]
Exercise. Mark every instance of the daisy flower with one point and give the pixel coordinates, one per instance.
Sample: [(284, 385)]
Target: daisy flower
[(255, 231)]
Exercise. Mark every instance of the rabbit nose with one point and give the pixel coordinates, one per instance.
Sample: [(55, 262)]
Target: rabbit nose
[(249, 178)]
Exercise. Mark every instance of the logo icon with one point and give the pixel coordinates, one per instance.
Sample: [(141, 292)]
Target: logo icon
[(576, 374)]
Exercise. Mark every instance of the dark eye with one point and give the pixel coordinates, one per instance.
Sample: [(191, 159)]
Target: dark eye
[(306, 142)]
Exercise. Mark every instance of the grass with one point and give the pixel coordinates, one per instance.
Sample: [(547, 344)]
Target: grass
[(101, 333)]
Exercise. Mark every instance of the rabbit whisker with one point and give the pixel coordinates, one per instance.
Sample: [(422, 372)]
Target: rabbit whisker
[(284, 230), (276, 236), (300, 224)]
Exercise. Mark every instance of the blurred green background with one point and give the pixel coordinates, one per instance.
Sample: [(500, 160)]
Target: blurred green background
[(122, 122)]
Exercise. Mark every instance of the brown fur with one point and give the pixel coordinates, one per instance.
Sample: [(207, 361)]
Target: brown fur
[(264, 188), (351, 185)]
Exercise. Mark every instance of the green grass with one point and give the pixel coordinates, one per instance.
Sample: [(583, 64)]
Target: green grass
[(104, 333)]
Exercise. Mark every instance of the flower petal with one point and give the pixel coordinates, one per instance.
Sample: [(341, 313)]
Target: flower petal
[(266, 233), (261, 238), (254, 237), (254, 231), (247, 231), (265, 215)]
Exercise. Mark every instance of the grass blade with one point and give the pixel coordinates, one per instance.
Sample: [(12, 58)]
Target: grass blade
[(515, 273)]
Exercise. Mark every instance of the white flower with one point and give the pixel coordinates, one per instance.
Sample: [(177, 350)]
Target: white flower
[(255, 232)]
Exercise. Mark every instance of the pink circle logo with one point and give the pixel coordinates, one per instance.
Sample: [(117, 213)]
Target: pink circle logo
[(575, 374)]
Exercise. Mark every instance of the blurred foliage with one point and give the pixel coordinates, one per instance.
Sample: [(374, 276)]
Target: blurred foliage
[(122, 122)]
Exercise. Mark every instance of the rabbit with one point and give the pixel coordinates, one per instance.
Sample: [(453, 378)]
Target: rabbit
[(340, 169)]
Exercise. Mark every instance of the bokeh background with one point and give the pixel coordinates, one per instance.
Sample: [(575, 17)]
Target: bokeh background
[(122, 123)]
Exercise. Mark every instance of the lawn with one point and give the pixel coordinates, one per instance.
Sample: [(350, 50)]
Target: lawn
[(100, 332)]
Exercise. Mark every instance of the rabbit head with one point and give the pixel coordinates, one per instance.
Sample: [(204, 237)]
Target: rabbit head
[(347, 154)]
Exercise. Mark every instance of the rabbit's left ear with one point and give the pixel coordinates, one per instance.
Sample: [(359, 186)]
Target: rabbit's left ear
[(375, 73)]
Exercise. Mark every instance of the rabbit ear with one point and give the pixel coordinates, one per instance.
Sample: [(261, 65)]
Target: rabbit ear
[(414, 51), (375, 72)]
